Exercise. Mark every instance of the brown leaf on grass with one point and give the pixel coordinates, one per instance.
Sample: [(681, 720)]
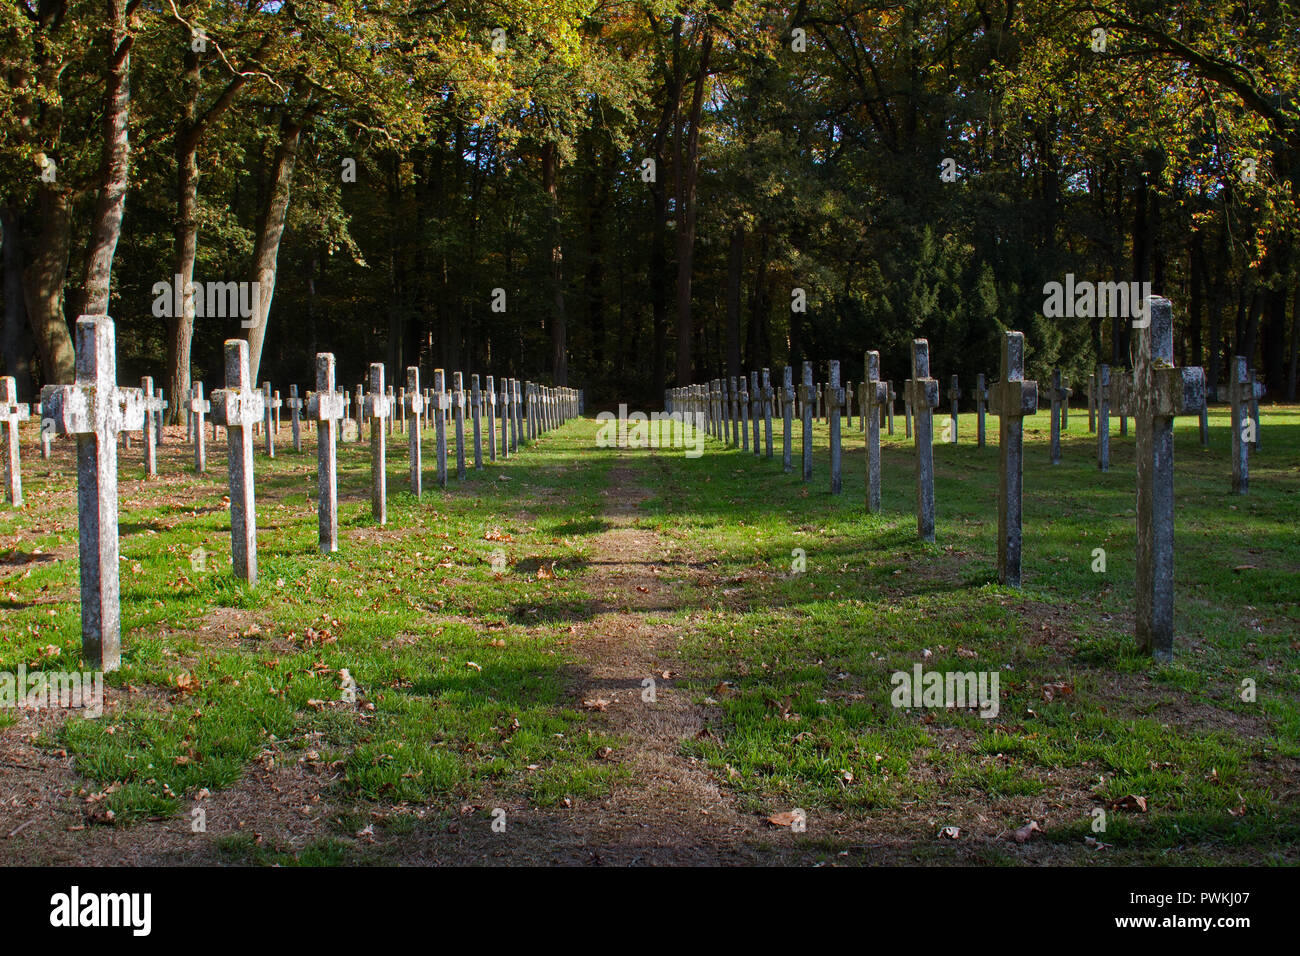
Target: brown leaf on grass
[(1026, 833), (1130, 802), (950, 833), (598, 703), (1057, 689), (183, 682), (545, 574), (785, 818), (1093, 843), (496, 534)]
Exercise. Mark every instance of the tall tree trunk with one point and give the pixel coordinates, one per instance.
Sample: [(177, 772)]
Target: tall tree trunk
[(43, 282), (17, 342), (270, 229), (115, 166), (687, 213), (559, 322), (735, 266), (1295, 345), (1196, 278)]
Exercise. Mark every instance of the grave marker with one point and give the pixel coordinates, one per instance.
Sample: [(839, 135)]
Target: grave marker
[(95, 410), (238, 407), (440, 423), (490, 397), (148, 435), (268, 419), (327, 406), (1103, 417), (413, 408), (787, 414), (954, 395), (921, 392), (1241, 392), (981, 395), (1060, 399), (295, 417), (767, 412), (875, 393), (199, 407), (808, 400), (458, 409), (11, 413), (379, 412), (475, 407), (1157, 392), (1013, 399), (834, 402)]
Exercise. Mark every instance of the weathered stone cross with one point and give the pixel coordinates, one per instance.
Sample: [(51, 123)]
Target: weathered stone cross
[(490, 399), (875, 394), (1157, 392), (1013, 399), (458, 410), (954, 396), (767, 412), (440, 423), (11, 413), (238, 407), (1103, 417), (981, 395), (921, 392), (787, 418), (377, 410), (295, 422), (199, 407), (327, 406), (148, 434), (1242, 390), (808, 401), (269, 424), (1060, 397), (95, 410), (414, 408), (475, 410), (834, 402)]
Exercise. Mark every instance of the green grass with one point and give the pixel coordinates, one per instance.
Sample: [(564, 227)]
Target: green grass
[(463, 676)]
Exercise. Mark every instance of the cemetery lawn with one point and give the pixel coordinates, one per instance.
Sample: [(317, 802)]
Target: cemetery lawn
[(230, 734)]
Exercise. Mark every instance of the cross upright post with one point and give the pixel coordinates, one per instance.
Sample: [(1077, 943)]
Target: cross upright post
[(767, 412), (835, 402), (458, 407), (327, 405), (808, 398), (954, 396), (1013, 399), (238, 407), (874, 396), (1157, 392), (490, 399), (95, 410), (475, 409), (922, 393), (199, 407), (981, 395), (11, 413), (412, 410), (295, 417), (440, 423), (378, 411)]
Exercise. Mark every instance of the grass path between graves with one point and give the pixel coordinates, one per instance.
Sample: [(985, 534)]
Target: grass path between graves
[(635, 657)]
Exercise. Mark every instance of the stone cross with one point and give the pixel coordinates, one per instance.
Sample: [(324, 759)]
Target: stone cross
[(981, 395), (755, 409), (1092, 402), (199, 407), (160, 406), (95, 410), (237, 407), (490, 400), (327, 406), (269, 424), (11, 413), (808, 399), (392, 408), (890, 398), (787, 415), (440, 423), (874, 395), (1013, 399), (742, 398), (512, 401), (505, 417), (1242, 391), (475, 409), (295, 423), (767, 412), (360, 399), (1157, 392), (1204, 415), (47, 438), (954, 395), (1103, 417), (907, 413), (379, 412), (921, 392), (834, 402), (413, 407), (1256, 393), (148, 435), (458, 409), (277, 403), (1060, 399), (848, 403), (519, 409)]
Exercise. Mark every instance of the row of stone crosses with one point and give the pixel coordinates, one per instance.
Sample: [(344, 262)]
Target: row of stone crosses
[(96, 411), (1152, 395)]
